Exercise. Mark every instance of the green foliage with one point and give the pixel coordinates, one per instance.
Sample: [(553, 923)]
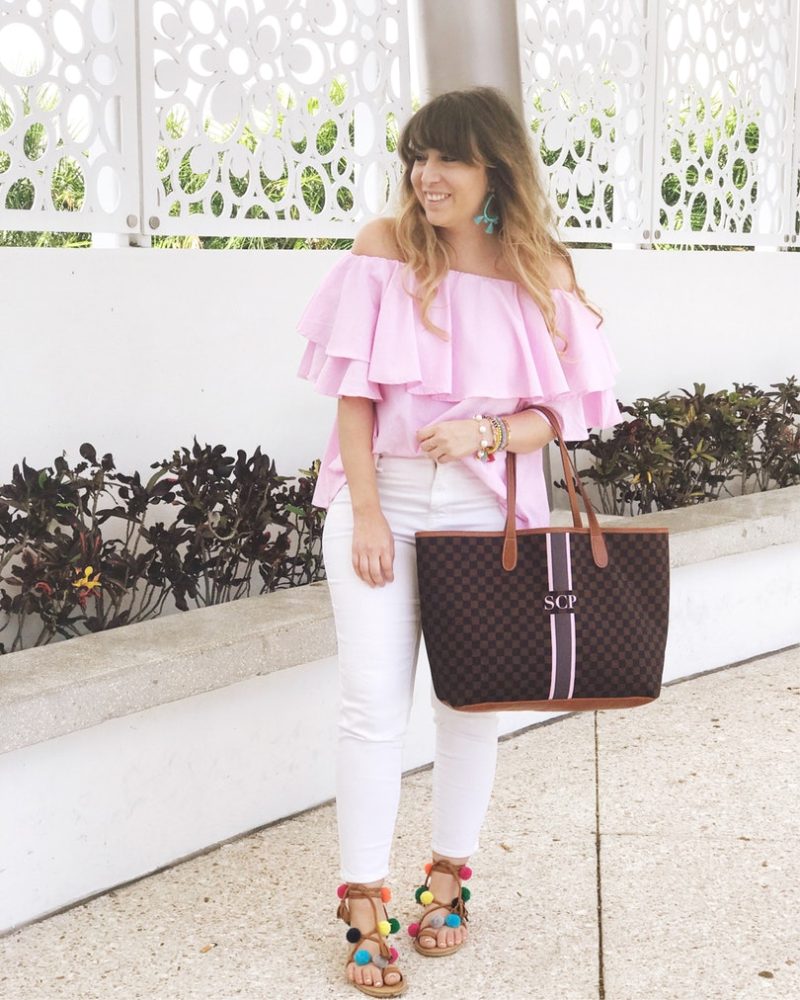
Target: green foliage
[(679, 451), (234, 517)]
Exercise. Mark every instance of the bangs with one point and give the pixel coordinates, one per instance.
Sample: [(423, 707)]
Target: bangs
[(440, 125)]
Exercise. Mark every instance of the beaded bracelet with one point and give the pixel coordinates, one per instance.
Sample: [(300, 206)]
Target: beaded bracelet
[(500, 436)]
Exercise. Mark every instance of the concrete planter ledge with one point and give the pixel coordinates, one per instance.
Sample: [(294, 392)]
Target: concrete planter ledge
[(66, 686), (77, 683), (124, 752)]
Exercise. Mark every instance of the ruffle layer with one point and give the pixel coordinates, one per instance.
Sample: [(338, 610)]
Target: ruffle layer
[(365, 330)]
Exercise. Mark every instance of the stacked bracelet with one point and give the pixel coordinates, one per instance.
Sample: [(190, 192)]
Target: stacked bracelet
[(500, 436)]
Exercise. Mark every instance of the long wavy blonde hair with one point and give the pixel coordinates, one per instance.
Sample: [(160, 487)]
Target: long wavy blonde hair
[(478, 125)]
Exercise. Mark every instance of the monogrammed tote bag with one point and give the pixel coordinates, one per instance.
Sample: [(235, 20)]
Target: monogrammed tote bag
[(547, 619)]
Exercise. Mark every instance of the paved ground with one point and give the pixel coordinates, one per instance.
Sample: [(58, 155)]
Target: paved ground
[(647, 854)]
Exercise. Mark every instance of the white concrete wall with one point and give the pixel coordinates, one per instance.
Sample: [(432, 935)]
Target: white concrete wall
[(100, 806), (138, 350)]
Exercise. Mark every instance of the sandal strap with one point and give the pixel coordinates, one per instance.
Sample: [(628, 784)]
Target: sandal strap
[(355, 890), (442, 865), (376, 939), (449, 868)]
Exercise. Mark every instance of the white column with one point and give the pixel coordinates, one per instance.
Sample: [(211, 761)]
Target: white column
[(469, 43)]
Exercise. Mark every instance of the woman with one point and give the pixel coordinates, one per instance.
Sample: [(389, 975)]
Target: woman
[(436, 333)]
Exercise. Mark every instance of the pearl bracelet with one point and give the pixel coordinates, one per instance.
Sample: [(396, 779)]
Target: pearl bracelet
[(500, 436)]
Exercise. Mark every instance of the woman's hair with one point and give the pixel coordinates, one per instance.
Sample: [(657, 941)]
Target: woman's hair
[(478, 125)]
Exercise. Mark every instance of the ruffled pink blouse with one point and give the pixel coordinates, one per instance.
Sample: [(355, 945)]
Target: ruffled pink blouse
[(366, 338)]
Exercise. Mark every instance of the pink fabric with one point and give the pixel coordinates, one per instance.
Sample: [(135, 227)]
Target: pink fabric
[(366, 338)]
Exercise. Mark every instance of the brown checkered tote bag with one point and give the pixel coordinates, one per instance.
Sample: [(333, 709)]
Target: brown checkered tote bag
[(547, 619)]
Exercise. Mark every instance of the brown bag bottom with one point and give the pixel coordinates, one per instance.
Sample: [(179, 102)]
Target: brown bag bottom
[(556, 704)]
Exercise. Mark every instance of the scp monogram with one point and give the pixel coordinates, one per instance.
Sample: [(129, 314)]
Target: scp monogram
[(560, 602)]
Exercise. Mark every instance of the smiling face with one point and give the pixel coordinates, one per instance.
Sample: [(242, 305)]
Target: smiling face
[(450, 191)]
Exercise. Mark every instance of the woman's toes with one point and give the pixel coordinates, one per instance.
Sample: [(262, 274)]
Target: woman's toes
[(392, 978), (427, 937), (366, 975)]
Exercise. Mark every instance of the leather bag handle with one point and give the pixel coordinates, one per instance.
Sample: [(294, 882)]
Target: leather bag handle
[(599, 551)]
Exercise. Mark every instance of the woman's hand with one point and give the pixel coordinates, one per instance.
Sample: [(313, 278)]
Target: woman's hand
[(373, 548), (449, 439)]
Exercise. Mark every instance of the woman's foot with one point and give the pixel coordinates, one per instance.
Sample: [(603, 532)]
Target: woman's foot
[(362, 916), (371, 965), (443, 885), (440, 930)]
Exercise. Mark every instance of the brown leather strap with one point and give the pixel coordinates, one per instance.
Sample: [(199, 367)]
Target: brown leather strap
[(571, 477), (450, 868), (355, 890)]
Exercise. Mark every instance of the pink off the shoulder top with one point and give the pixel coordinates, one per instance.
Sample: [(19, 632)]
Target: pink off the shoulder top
[(366, 338)]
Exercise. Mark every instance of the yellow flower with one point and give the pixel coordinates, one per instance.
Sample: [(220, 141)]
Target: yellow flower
[(84, 580)]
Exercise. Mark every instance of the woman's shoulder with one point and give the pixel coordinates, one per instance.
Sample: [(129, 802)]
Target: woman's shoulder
[(561, 275), (376, 239)]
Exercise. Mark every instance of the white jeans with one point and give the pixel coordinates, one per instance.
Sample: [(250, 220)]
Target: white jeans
[(378, 633)]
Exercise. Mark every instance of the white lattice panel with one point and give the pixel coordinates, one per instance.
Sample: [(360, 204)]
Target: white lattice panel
[(270, 116), (68, 108), (699, 151), (588, 74), (725, 104)]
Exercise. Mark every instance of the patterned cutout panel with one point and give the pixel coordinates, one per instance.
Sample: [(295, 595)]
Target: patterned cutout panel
[(271, 115), (68, 130), (666, 122)]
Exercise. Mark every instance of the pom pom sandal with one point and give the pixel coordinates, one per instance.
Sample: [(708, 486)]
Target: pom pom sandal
[(457, 907), (379, 934)]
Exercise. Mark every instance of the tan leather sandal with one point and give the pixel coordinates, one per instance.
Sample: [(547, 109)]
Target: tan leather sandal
[(380, 932), (457, 907)]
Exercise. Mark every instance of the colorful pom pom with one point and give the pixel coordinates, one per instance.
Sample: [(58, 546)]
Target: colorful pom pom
[(394, 954), (419, 892), (428, 867), (353, 935), (394, 923), (384, 928), (465, 893), (380, 961), (465, 872), (362, 956), (426, 897), (341, 890), (453, 920), (386, 894), (413, 929), (437, 921)]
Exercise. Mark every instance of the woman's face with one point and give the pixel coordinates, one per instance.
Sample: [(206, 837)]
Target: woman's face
[(451, 192)]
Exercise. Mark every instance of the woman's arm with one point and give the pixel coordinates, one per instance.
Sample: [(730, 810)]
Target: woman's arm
[(356, 418), (528, 430), (373, 541)]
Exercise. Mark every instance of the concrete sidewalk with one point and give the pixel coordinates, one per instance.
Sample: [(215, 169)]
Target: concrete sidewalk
[(645, 854)]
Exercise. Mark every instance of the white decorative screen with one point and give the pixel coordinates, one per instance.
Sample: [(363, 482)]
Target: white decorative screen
[(69, 158), (726, 111), (588, 91), (271, 115), (669, 121)]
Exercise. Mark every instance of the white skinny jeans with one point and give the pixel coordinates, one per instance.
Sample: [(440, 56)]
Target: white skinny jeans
[(378, 633)]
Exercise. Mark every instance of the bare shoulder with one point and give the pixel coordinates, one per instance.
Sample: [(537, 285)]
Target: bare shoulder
[(561, 275), (376, 239)]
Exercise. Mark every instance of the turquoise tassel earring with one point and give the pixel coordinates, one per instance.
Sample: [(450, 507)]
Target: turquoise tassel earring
[(490, 220)]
